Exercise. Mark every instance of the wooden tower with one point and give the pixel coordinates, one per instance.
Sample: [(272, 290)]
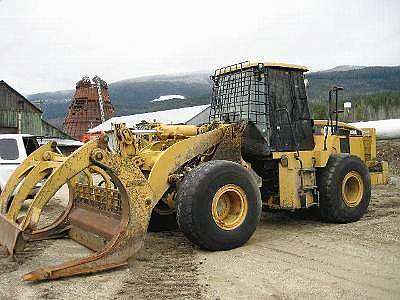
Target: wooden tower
[(90, 107)]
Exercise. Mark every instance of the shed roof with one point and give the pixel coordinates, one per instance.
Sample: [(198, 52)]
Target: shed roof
[(171, 116), (20, 95)]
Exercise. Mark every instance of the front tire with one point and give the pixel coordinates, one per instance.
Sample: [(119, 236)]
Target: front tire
[(345, 189), (218, 205)]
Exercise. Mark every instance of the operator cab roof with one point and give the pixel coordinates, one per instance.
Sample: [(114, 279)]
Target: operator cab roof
[(248, 64)]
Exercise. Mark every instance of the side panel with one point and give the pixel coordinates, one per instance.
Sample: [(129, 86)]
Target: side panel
[(382, 176), (357, 147), (369, 141), (297, 180)]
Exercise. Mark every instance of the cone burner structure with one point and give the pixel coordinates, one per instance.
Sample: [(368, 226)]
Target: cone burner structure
[(90, 106)]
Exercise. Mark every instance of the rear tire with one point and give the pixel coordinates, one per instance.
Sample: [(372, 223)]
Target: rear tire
[(218, 205), (345, 189)]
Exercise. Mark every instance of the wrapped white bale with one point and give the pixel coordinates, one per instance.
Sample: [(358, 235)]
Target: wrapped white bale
[(385, 129)]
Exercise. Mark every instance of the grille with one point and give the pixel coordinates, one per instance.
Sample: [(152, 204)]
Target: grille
[(100, 198)]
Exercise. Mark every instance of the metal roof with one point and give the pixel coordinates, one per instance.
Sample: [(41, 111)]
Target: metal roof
[(14, 135), (248, 64), (171, 116), (59, 141)]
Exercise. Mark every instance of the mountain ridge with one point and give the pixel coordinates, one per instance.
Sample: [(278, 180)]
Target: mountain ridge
[(134, 95)]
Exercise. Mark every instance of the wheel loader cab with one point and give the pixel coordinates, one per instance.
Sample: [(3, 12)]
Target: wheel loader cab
[(272, 98)]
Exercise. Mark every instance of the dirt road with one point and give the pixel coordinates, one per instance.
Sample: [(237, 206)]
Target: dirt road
[(298, 258), (288, 257)]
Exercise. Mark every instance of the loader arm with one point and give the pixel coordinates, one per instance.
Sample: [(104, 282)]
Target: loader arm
[(111, 220), (178, 154)]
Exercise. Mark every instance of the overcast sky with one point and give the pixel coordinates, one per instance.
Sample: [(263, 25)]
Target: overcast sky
[(48, 45)]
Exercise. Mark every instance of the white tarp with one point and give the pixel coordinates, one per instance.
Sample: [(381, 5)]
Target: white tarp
[(171, 116), (385, 129)]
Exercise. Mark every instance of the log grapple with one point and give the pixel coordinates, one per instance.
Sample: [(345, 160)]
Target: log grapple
[(112, 193)]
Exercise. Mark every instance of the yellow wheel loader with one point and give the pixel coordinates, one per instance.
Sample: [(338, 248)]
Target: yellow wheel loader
[(260, 148)]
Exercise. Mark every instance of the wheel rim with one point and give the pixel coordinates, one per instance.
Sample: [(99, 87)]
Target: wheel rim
[(352, 189), (229, 207)]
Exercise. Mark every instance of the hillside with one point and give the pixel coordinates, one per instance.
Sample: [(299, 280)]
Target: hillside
[(135, 95), (356, 81), (343, 68), (365, 107)]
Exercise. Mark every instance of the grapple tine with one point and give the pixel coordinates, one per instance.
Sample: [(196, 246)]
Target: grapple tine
[(67, 170), (11, 199), (136, 207), (40, 164), (37, 173), (23, 169), (10, 235)]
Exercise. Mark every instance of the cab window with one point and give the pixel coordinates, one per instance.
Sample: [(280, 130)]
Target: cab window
[(30, 144), (9, 149)]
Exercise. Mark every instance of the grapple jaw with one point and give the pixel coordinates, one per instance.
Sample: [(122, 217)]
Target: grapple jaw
[(110, 198), (110, 218)]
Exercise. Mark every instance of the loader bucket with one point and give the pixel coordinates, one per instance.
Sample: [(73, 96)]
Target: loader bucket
[(111, 218)]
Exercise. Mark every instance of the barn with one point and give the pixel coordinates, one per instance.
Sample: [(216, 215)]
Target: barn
[(18, 115)]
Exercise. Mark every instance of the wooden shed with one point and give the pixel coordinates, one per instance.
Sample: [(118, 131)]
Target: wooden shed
[(18, 115)]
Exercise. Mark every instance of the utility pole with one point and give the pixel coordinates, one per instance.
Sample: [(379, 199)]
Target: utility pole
[(20, 108), (39, 103), (98, 80)]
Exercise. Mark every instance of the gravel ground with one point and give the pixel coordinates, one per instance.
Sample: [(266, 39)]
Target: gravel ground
[(390, 152), (289, 256)]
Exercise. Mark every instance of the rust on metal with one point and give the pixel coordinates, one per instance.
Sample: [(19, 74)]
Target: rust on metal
[(85, 109), (230, 146)]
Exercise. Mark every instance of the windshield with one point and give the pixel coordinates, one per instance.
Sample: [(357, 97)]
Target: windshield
[(240, 96)]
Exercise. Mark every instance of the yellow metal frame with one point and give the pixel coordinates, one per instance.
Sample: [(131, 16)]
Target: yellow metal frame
[(141, 173)]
